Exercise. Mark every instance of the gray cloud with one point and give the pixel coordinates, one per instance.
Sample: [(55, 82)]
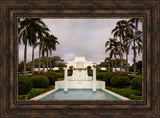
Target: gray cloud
[(79, 37)]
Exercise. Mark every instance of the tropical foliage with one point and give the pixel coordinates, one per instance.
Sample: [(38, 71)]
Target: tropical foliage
[(126, 36), (114, 47), (33, 31)]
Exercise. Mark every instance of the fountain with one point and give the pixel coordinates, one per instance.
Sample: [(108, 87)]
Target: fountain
[(89, 87), (80, 78), (94, 78), (65, 79)]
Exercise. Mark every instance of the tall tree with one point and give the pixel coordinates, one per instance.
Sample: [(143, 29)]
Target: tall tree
[(34, 28), (108, 59), (48, 45), (52, 46), (119, 31), (135, 40), (42, 32), (114, 47), (129, 28), (136, 22), (44, 49), (23, 35)]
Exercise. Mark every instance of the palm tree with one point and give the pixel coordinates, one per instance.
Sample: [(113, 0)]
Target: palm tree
[(135, 40), (25, 37), (34, 28), (136, 21), (114, 47), (52, 46), (108, 59), (47, 43), (129, 27), (41, 33), (126, 49), (119, 31), (44, 49), (48, 48)]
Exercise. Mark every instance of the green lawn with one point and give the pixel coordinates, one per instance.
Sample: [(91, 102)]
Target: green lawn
[(127, 93), (34, 92)]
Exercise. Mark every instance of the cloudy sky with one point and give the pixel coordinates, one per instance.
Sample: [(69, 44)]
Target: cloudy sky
[(79, 37)]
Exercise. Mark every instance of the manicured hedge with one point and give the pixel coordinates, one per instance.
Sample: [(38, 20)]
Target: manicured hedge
[(107, 77), (52, 80), (136, 83), (24, 84), (44, 74), (24, 76), (99, 76), (131, 77), (40, 81), (118, 81), (58, 75), (120, 73)]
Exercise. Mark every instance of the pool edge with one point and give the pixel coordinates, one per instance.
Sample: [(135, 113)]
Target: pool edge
[(43, 95), (115, 94), (49, 92)]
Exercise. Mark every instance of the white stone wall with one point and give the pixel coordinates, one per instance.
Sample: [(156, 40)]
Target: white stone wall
[(80, 84)]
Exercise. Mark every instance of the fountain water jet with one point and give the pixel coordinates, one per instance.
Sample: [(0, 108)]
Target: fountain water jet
[(65, 79), (94, 79)]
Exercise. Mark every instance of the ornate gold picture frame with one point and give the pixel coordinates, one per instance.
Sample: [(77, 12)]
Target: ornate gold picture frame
[(11, 10)]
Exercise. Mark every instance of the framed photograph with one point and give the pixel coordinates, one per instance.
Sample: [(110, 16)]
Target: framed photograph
[(79, 58), (67, 74)]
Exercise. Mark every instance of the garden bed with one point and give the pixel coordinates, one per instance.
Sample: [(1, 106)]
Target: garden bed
[(127, 92), (34, 92)]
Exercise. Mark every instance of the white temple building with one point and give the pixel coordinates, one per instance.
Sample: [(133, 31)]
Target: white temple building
[(80, 78), (80, 69)]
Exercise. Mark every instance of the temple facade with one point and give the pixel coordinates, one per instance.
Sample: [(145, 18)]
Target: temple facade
[(79, 66)]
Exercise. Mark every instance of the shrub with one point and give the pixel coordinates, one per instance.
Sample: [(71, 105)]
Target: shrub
[(58, 75), (24, 84), (89, 68), (70, 72), (40, 81), (44, 74), (99, 75), (52, 80), (61, 68), (25, 76), (107, 77), (59, 71), (131, 77), (118, 81), (120, 73), (136, 83), (90, 73)]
